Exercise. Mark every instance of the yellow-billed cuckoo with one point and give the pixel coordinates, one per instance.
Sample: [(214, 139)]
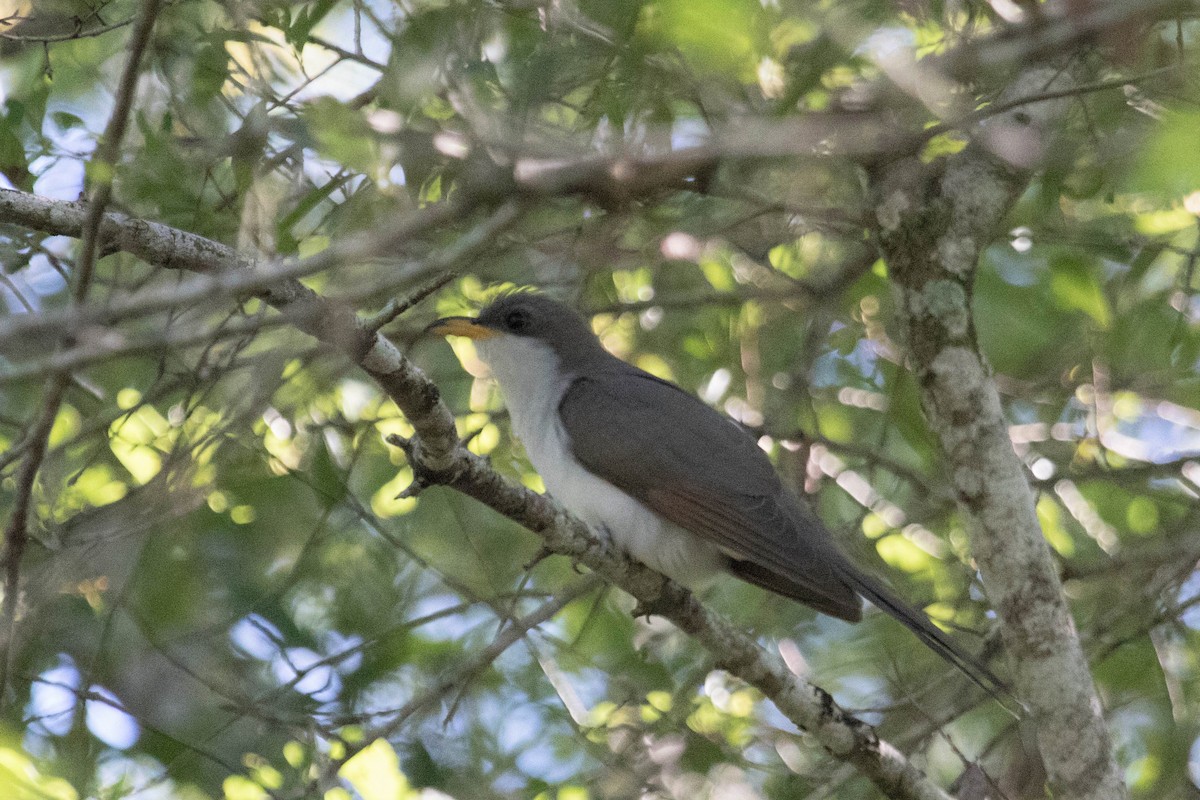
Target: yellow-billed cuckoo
[(676, 484)]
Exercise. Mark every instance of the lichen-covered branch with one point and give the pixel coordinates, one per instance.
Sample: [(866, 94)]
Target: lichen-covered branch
[(935, 220)]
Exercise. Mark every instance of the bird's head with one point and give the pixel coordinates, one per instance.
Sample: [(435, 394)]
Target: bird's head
[(525, 326)]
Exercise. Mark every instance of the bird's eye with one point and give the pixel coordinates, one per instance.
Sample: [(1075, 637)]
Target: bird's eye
[(517, 320)]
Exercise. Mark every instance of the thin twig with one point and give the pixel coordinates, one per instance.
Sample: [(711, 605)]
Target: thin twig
[(104, 162), (103, 345), (349, 55), (996, 109), (67, 37), (467, 670), (16, 534)]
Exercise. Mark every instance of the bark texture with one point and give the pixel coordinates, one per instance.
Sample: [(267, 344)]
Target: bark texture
[(935, 219)]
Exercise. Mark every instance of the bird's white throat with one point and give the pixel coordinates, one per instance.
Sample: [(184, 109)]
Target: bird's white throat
[(533, 382)]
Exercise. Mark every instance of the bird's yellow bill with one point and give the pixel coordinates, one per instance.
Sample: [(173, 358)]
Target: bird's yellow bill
[(462, 326)]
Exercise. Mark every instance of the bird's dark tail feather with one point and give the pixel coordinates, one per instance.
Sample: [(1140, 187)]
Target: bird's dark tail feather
[(933, 637)]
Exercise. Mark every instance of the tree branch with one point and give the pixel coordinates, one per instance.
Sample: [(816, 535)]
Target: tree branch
[(438, 457), (935, 220)]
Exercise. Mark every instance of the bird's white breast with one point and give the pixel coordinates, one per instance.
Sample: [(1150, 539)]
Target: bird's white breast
[(529, 374)]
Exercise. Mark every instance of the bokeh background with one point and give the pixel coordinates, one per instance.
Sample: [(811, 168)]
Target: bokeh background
[(222, 591)]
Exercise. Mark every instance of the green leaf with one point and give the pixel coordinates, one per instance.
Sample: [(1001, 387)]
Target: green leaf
[(12, 152), (1168, 163), (287, 243), (66, 120), (1075, 286), (210, 71), (306, 20), (342, 134), (1021, 328), (714, 35), (328, 478)]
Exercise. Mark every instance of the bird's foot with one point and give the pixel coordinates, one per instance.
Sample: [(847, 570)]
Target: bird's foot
[(651, 607), (396, 440), (420, 481)]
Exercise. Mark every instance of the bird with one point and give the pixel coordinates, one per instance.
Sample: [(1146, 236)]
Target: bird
[(674, 483)]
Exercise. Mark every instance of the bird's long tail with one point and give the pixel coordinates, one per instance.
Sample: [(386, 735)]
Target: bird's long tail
[(933, 637)]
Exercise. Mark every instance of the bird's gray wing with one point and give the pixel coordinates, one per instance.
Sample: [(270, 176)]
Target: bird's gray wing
[(697, 468)]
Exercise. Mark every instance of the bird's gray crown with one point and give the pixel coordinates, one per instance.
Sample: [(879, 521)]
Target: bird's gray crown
[(537, 316)]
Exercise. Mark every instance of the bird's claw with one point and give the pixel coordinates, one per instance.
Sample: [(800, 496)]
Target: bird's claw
[(413, 489), (396, 440), (409, 446), (650, 608)]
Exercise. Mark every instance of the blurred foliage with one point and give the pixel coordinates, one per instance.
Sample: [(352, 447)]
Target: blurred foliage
[(224, 596)]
